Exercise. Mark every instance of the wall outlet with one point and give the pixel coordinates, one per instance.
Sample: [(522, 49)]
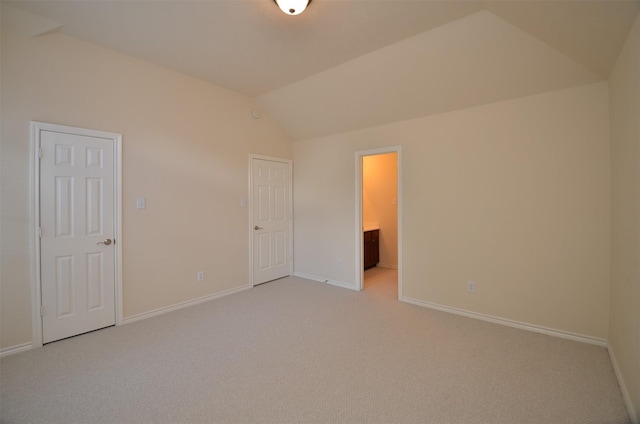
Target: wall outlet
[(471, 286), (200, 276), (340, 263)]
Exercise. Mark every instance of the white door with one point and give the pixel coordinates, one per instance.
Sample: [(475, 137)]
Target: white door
[(271, 218), (77, 234)]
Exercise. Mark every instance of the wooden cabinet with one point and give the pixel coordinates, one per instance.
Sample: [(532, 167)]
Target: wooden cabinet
[(371, 248)]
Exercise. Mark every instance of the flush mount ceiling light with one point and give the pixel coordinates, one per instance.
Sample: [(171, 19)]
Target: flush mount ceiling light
[(292, 7)]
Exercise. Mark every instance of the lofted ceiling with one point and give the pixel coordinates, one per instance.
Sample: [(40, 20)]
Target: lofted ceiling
[(346, 64)]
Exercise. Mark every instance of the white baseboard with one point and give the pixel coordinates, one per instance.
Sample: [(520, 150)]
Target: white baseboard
[(185, 304), (623, 387), (325, 280), (15, 349), (390, 266), (510, 323), (144, 315)]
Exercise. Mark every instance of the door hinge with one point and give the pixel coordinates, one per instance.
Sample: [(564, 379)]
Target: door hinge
[(39, 153), (41, 310), (39, 232)]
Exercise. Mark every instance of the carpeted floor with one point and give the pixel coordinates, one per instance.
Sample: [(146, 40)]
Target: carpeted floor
[(297, 351)]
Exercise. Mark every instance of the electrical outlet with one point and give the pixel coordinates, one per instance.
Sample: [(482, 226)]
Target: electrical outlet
[(471, 286), (200, 276), (340, 263)]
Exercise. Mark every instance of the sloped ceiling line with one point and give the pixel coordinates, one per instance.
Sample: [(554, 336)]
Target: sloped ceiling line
[(344, 64), (475, 60)]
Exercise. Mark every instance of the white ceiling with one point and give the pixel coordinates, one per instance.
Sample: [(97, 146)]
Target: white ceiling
[(251, 47), (475, 60)]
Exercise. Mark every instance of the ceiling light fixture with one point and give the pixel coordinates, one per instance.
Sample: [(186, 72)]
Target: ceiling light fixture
[(292, 7)]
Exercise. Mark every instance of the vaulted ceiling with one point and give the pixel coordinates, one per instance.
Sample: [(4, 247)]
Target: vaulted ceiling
[(344, 65)]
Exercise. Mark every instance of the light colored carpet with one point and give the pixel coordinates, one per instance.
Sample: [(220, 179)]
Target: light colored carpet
[(297, 351)]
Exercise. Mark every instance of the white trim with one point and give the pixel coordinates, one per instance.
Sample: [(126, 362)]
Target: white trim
[(185, 304), (15, 349), (359, 254), (623, 387), (34, 212), (389, 266), (325, 280), (289, 163), (510, 323), (34, 215), (118, 229)]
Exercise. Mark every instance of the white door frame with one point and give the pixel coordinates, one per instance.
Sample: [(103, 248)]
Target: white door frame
[(34, 195), (359, 254), (289, 163)]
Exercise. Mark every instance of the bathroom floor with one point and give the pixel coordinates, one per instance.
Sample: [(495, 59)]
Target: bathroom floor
[(382, 282)]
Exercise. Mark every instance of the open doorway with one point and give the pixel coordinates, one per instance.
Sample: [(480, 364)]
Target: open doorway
[(378, 221)]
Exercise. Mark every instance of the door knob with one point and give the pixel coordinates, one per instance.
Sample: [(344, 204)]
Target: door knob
[(106, 242), (257, 228)]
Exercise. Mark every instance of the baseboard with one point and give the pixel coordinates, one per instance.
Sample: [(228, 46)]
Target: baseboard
[(510, 323), (185, 304), (325, 280), (15, 349), (390, 266), (623, 387)]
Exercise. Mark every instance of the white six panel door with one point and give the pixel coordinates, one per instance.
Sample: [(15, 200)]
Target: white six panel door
[(77, 219), (270, 220)]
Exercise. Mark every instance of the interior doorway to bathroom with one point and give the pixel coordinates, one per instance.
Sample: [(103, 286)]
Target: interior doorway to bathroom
[(378, 216)]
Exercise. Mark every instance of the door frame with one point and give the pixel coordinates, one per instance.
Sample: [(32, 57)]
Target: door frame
[(289, 164), (359, 251), (34, 195)]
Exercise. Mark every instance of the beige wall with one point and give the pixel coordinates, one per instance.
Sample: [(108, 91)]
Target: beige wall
[(379, 202), (624, 330), (513, 195), (185, 149)]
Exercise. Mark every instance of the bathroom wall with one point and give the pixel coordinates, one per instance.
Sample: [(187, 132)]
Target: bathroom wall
[(379, 202)]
